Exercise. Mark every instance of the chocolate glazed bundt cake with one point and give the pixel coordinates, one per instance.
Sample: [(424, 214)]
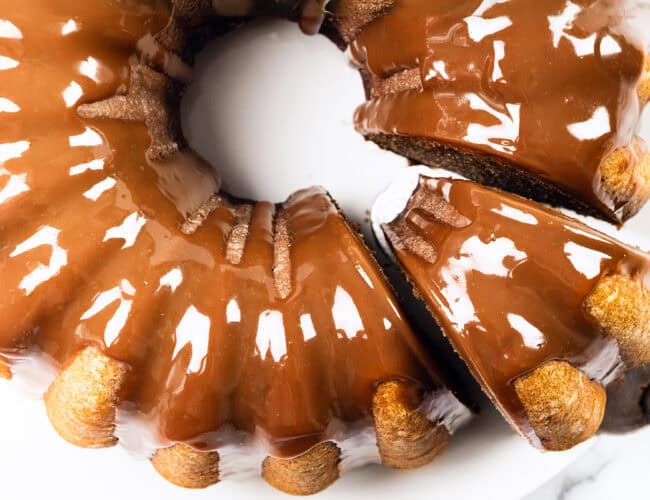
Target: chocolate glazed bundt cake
[(237, 337), (246, 332), (543, 324)]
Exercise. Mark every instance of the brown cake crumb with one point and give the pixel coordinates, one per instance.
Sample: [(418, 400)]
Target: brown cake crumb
[(198, 217), (186, 467), (563, 406), (622, 307), (82, 400), (305, 475), (237, 239), (282, 255), (152, 99), (406, 438)]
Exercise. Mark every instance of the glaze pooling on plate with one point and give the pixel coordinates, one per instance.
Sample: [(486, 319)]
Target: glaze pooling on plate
[(240, 323), (508, 78)]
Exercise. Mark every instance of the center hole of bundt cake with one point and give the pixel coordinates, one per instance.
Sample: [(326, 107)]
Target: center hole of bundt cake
[(272, 110)]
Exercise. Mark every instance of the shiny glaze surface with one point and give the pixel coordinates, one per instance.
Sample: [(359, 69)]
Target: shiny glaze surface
[(91, 254), (549, 85), (507, 300)]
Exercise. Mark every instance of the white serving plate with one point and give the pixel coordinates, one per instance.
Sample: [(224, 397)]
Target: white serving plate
[(272, 110)]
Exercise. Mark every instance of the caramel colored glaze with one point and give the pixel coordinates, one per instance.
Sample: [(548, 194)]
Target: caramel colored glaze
[(548, 85), (272, 320), (508, 301)]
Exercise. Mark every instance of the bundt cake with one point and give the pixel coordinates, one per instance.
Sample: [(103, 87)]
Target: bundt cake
[(540, 98), (544, 310), (231, 331), (236, 336)]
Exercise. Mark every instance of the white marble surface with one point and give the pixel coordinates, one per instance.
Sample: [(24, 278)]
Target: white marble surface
[(616, 467)]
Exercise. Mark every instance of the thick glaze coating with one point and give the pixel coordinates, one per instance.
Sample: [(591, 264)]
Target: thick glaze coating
[(507, 280), (273, 320), (509, 78)]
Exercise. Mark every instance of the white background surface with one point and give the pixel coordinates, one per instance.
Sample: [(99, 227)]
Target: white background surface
[(616, 467), (272, 110)]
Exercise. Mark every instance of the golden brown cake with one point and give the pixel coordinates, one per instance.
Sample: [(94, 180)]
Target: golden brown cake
[(544, 310), (232, 337), (538, 97), (628, 401)]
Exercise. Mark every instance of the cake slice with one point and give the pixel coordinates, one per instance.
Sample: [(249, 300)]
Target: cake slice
[(544, 310), (539, 98)]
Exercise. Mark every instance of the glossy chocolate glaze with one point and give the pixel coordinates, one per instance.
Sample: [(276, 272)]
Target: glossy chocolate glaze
[(547, 85), (273, 320), (506, 279)]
